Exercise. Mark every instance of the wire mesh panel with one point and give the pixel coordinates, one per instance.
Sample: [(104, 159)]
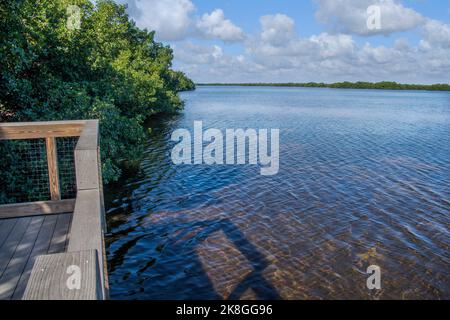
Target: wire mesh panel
[(66, 166), (24, 170)]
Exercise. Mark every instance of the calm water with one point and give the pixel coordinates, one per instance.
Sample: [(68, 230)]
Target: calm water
[(364, 179)]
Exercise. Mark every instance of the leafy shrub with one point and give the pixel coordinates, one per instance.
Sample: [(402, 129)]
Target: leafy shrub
[(108, 69)]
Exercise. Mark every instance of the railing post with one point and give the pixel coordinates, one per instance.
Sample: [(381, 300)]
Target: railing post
[(52, 162)]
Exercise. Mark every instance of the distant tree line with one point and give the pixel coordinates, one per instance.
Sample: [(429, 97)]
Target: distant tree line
[(384, 85), (106, 68)]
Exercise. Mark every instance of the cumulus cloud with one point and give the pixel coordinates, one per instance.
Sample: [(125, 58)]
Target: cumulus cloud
[(175, 20), (171, 19), (210, 63), (278, 38), (196, 54), (277, 30), (334, 45), (215, 26), (350, 16), (437, 33)]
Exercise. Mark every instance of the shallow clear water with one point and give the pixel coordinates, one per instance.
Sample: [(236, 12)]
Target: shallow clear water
[(364, 180)]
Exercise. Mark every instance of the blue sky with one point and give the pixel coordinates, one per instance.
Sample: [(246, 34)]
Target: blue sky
[(309, 40)]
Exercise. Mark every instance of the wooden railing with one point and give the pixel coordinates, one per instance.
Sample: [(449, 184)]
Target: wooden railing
[(86, 241), (48, 131)]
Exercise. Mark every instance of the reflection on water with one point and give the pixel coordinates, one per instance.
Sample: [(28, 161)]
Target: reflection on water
[(364, 179)]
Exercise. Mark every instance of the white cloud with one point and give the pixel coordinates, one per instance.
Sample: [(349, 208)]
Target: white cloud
[(279, 41), (437, 33), (277, 30), (334, 45), (215, 26), (211, 63), (175, 20), (171, 19), (196, 54), (350, 16)]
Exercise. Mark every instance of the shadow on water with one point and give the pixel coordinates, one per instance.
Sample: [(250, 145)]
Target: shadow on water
[(253, 280), (198, 283)]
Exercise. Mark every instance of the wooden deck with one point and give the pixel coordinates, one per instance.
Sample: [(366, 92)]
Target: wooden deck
[(21, 241), (46, 244)]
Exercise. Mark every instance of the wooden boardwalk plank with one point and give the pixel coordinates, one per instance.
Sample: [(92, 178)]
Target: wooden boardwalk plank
[(17, 263), (12, 241), (41, 246), (66, 245), (5, 229), (17, 210), (58, 242)]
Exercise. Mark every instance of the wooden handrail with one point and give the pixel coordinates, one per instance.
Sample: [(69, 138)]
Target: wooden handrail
[(88, 224), (42, 129)]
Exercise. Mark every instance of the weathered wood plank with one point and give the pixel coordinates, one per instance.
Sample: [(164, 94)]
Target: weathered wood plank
[(87, 158), (5, 229), (86, 169), (86, 222), (52, 163), (89, 185), (37, 130), (66, 246), (9, 246), (36, 208), (86, 231), (41, 247), (52, 275), (89, 138), (16, 265), (58, 242)]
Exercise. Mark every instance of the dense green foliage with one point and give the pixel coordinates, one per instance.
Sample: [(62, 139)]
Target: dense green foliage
[(385, 85), (107, 69), (181, 82)]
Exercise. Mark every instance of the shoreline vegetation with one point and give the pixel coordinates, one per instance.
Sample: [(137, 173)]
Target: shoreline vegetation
[(90, 62), (384, 85)]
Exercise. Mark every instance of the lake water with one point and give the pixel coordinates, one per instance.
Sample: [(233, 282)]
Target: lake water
[(364, 180)]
